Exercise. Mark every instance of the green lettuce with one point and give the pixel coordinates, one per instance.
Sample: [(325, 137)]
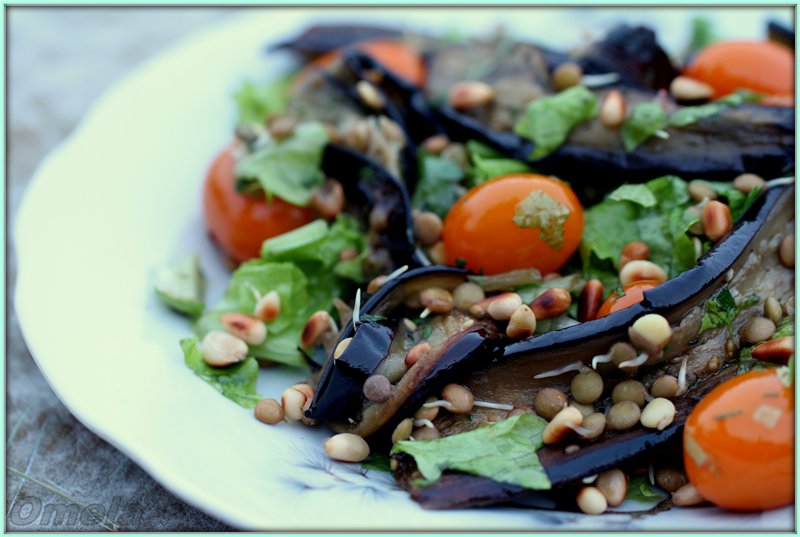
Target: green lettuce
[(641, 491), (181, 285), (691, 114), (503, 451), (548, 121), (237, 382), (487, 163), (255, 103), (290, 168), (646, 120), (438, 186)]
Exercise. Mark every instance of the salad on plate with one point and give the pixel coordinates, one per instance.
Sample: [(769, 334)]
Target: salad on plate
[(510, 273)]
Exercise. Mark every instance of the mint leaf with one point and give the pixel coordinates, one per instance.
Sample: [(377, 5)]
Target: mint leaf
[(503, 451), (255, 103), (547, 121), (541, 211), (289, 169), (237, 382), (645, 120), (720, 310), (181, 285), (641, 491), (438, 187)]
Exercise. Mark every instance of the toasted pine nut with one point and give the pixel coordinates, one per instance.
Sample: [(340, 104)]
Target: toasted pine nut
[(470, 94), (377, 388), (613, 109), (460, 398), (549, 402), (670, 479), (776, 351), (590, 300), (268, 307), (591, 501), (467, 294), (593, 426), (552, 303), (634, 251), (641, 269), (756, 330), (319, 323), (328, 200), (658, 414), (503, 306), (614, 486), (717, 221), (268, 411), (416, 352), (700, 191), (438, 254), (786, 251), (436, 299), (341, 347), (348, 254), (748, 181), (522, 323), (687, 496), (684, 88), (369, 95), (561, 425), (347, 447), (251, 330), (293, 400), (773, 310), (281, 127), (427, 227), (650, 333), (566, 75), (403, 430), (221, 348), (666, 387), (435, 144)]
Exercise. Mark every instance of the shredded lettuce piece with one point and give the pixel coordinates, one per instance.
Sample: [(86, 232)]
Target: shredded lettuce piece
[(646, 120), (181, 285), (439, 186), (256, 102), (487, 163), (691, 114), (237, 382)]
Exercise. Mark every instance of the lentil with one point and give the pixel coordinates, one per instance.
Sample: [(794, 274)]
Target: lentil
[(427, 227), (268, 411), (403, 430), (623, 415), (670, 479), (593, 426), (377, 388), (549, 402), (658, 414), (459, 397), (665, 387), (467, 294), (587, 387), (566, 75), (748, 181)]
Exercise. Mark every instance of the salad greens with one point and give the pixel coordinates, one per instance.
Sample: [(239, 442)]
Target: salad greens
[(504, 451), (486, 163), (691, 114), (722, 310), (181, 286), (236, 382), (438, 187), (646, 119), (256, 102)]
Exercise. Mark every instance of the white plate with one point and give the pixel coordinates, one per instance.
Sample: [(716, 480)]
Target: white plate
[(121, 196)]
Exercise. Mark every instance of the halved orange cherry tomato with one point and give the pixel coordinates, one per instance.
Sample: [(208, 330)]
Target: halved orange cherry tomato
[(760, 66), (738, 443), (480, 229), (398, 57), (238, 223), (634, 293)]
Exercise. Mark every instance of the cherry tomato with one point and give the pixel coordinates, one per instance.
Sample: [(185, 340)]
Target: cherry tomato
[(760, 66), (738, 443), (401, 59), (634, 293), (480, 228), (238, 223)]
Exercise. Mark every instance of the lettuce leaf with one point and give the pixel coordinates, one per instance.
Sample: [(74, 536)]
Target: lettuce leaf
[(255, 103), (237, 382), (503, 451), (181, 285), (487, 163), (438, 187), (645, 120)]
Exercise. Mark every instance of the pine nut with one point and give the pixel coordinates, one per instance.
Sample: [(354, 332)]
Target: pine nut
[(341, 347), (773, 310), (403, 430), (347, 447), (700, 191), (594, 425), (591, 501), (687, 496), (549, 402), (566, 75), (634, 251), (221, 348), (427, 413), (377, 388), (281, 127), (776, 351), (641, 269), (717, 221), (245, 327), (650, 333), (503, 306), (561, 425), (467, 294), (470, 94), (416, 352), (621, 352), (587, 387), (712, 365), (438, 253), (348, 254), (435, 144), (268, 307), (613, 109), (552, 303), (756, 330), (427, 227), (460, 398), (375, 284), (328, 200), (746, 182), (436, 299), (319, 323), (391, 131), (590, 300), (585, 410), (425, 433), (684, 88), (670, 479), (522, 323), (369, 95), (623, 415), (630, 390), (613, 484), (293, 400), (665, 387), (658, 414), (786, 251), (268, 411)]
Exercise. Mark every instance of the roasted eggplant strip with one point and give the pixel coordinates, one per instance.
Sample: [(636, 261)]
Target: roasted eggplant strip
[(319, 39)]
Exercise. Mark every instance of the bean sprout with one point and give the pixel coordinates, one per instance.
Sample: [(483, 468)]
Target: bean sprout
[(636, 362), (576, 366)]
